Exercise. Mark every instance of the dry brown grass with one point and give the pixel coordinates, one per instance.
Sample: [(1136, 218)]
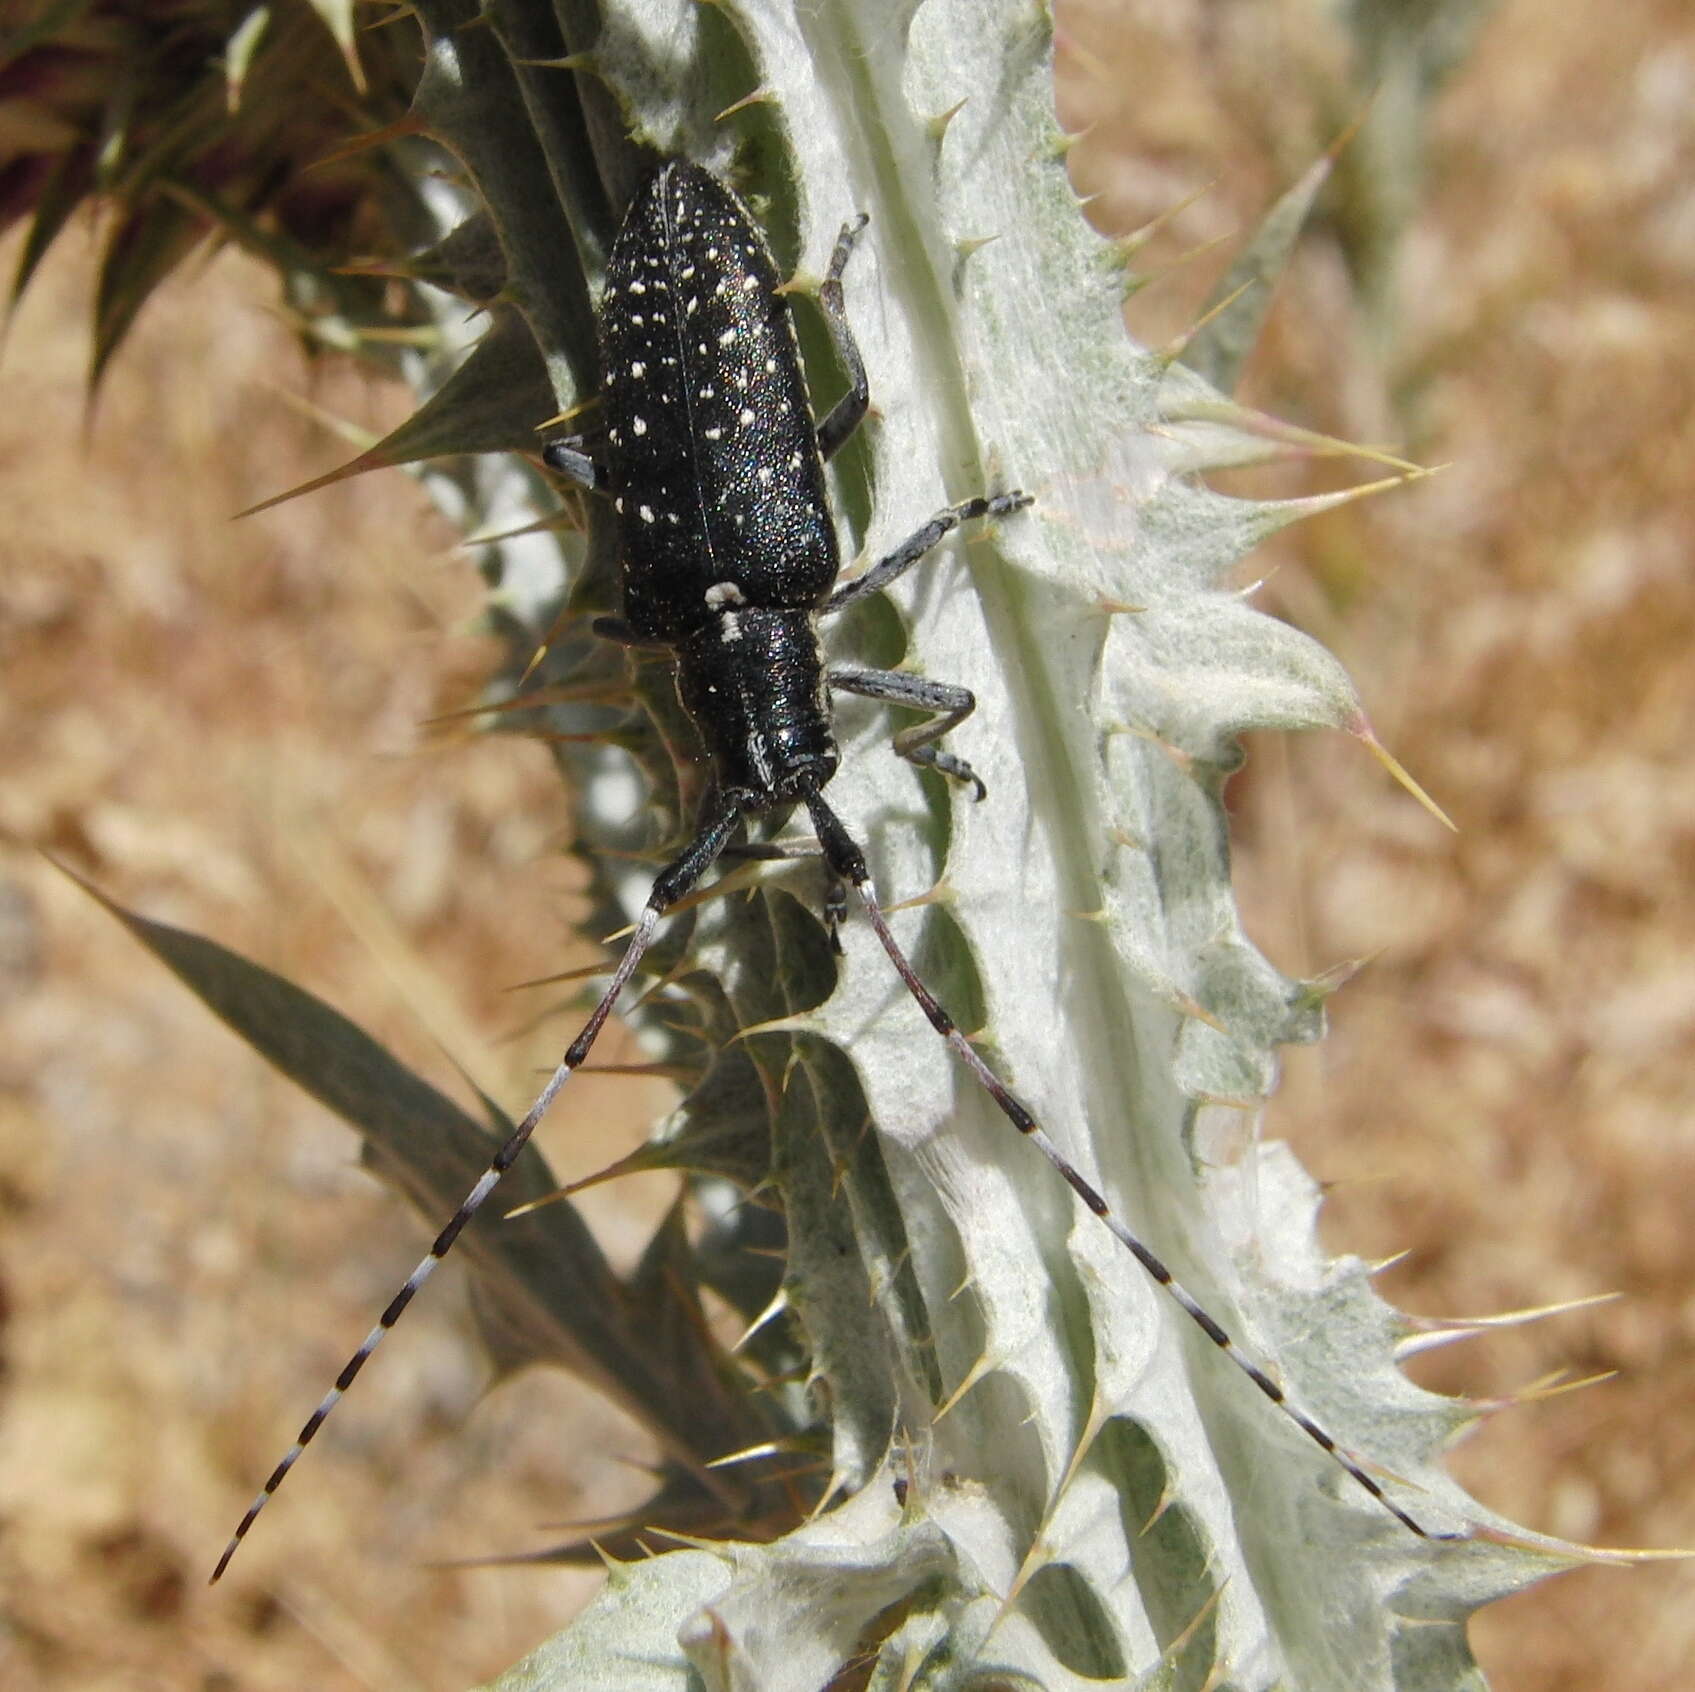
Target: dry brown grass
[(221, 722)]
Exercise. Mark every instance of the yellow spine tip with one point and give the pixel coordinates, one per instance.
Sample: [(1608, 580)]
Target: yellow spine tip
[(1362, 731), (760, 96), (938, 125)]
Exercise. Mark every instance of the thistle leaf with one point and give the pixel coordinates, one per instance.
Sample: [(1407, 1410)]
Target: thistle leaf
[(1235, 311), (546, 1292), (984, 1343), (490, 403)]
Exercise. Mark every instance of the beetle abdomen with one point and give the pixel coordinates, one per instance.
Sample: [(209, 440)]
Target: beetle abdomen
[(711, 452)]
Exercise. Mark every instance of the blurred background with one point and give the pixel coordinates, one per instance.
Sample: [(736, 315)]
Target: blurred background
[(228, 725)]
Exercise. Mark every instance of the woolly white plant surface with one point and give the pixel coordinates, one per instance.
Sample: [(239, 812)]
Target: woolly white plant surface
[(1042, 1475)]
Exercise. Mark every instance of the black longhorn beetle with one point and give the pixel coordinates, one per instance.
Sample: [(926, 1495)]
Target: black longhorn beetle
[(715, 470)]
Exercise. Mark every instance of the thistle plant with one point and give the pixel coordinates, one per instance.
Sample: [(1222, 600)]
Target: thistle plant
[(964, 1441)]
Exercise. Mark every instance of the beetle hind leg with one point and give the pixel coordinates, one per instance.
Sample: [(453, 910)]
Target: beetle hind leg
[(849, 411)]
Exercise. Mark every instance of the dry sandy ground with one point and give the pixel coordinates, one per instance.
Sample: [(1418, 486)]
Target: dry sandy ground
[(222, 723)]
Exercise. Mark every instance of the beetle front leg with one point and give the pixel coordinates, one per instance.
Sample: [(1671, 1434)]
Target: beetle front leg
[(949, 707)]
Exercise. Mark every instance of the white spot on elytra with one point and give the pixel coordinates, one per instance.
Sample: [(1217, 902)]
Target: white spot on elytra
[(765, 475), (746, 416), (646, 513), (727, 337), (713, 434), (770, 367), (730, 629), (749, 283), (721, 594), (638, 425), (638, 287), (637, 371)]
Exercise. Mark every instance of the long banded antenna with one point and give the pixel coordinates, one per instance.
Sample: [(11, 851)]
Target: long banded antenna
[(715, 829), (845, 857)]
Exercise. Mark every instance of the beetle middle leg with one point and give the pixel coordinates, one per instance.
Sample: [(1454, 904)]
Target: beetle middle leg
[(948, 704), (568, 457), (897, 563)]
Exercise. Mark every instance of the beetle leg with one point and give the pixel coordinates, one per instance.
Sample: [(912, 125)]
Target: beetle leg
[(949, 707), (566, 456), (849, 411), (914, 547)]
